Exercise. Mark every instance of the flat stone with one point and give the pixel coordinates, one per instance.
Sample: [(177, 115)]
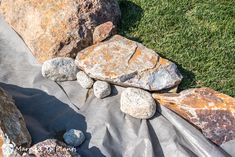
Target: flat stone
[(128, 63), (13, 131), (208, 110), (102, 89), (103, 32), (52, 148), (137, 103), (58, 28), (84, 80), (74, 137), (60, 69)]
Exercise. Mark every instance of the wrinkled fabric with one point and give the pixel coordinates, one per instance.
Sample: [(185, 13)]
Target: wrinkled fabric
[(51, 108)]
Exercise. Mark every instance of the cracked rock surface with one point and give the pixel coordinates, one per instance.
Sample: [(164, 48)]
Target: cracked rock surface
[(209, 110), (128, 63)]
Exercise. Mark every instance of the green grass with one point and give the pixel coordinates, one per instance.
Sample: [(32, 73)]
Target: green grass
[(199, 36)]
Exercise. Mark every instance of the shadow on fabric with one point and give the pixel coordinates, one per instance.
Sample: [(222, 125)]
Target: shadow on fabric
[(47, 117)]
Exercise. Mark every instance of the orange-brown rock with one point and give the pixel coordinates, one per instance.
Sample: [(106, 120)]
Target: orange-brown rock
[(13, 131), (209, 110), (58, 28), (103, 31), (128, 63)]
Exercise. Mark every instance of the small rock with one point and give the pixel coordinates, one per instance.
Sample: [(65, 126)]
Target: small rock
[(103, 31), (52, 148), (84, 80), (60, 69), (137, 103), (102, 89), (74, 137)]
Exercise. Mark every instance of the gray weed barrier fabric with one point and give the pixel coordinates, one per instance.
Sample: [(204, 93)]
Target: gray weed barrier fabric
[(51, 108)]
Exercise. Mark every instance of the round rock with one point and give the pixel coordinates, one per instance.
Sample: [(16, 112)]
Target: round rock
[(60, 69), (137, 103), (84, 80), (74, 137), (102, 89)]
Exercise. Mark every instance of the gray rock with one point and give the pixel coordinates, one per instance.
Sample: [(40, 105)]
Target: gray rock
[(74, 137), (137, 103), (60, 69), (102, 89), (128, 63), (84, 80)]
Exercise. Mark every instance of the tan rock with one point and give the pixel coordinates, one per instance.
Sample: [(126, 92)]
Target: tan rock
[(58, 28), (128, 63), (209, 110), (13, 131), (137, 103), (103, 31)]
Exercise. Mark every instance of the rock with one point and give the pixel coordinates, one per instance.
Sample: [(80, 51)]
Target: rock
[(137, 103), (84, 80), (128, 63), (13, 131), (101, 89), (74, 137), (52, 148), (208, 110), (60, 69), (103, 32), (58, 28)]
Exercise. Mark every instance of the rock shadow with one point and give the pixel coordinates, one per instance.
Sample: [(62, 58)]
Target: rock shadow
[(47, 117), (131, 15)]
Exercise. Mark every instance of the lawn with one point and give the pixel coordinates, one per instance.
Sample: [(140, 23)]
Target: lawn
[(199, 36)]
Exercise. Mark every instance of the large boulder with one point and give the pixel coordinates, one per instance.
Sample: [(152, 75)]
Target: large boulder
[(58, 28), (13, 131), (209, 110), (128, 63)]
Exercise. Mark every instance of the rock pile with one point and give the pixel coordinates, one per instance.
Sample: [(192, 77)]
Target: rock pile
[(65, 29), (128, 63)]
